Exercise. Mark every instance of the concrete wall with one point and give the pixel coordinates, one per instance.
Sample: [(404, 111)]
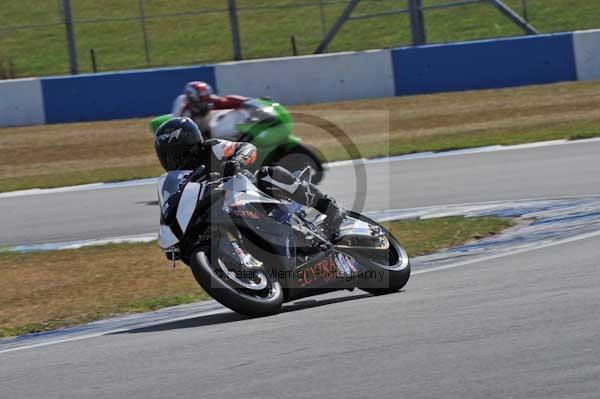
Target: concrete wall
[(310, 79), (587, 54), (21, 102)]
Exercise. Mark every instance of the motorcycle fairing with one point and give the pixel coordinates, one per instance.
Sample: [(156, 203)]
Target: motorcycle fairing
[(354, 227), (166, 238), (176, 212), (266, 233), (243, 205), (335, 267), (241, 190), (187, 205), (357, 233), (223, 123)]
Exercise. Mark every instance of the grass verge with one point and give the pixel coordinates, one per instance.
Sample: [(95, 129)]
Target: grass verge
[(48, 290), (421, 237)]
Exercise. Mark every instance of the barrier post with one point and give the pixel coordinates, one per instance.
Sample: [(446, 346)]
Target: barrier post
[(93, 59), (144, 32), (235, 30), (294, 47), (524, 9), (417, 22), (322, 14), (68, 20)]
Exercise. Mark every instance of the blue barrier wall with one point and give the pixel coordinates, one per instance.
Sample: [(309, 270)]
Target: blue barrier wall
[(484, 64), (117, 95)]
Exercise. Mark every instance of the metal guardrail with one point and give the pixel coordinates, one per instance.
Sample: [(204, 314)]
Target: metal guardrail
[(415, 9)]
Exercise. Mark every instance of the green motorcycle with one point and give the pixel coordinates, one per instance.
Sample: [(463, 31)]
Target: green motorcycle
[(267, 125)]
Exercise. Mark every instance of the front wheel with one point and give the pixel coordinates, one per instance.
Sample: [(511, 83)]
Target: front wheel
[(259, 296)]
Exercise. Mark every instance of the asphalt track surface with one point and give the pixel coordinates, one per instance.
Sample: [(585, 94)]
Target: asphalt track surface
[(541, 172), (519, 326)]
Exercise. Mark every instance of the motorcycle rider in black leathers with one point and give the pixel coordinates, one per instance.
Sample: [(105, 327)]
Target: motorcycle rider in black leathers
[(180, 146)]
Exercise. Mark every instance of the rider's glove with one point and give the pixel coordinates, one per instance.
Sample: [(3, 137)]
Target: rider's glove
[(230, 168)]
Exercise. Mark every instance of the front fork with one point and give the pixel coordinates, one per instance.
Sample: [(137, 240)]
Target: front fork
[(245, 259)]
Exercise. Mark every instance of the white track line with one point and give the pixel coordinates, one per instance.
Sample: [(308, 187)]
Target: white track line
[(219, 311), (114, 331), (83, 187), (397, 158), (57, 246), (514, 252), (466, 151), (149, 237)]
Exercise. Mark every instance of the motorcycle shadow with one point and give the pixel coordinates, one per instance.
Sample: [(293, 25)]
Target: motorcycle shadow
[(302, 304), (230, 317)]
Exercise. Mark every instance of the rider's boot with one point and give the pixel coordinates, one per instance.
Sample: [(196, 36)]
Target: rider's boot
[(335, 215), (279, 182)]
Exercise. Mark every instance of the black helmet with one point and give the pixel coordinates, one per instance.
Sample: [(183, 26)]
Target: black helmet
[(176, 144)]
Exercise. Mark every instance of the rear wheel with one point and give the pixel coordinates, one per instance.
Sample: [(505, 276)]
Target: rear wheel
[(254, 294), (390, 264), (298, 158)]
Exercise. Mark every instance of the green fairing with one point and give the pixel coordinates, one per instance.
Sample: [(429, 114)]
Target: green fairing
[(159, 120), (292, 142), (269, 135), (262, 135)]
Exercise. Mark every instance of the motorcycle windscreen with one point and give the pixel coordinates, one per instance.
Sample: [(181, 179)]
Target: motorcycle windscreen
[(168, 184)]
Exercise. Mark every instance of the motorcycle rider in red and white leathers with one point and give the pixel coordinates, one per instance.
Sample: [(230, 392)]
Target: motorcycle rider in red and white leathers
[(198, 99)]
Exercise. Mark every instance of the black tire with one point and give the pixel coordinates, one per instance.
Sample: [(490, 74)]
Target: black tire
[(397, 274), (397, 282), (229, 296), (299, 158)]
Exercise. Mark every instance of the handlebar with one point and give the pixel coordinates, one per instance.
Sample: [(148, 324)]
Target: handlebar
[(197, 174)]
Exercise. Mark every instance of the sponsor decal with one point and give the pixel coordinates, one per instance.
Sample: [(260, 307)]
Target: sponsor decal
[(323, 270), (244, 213), (169, 138)]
